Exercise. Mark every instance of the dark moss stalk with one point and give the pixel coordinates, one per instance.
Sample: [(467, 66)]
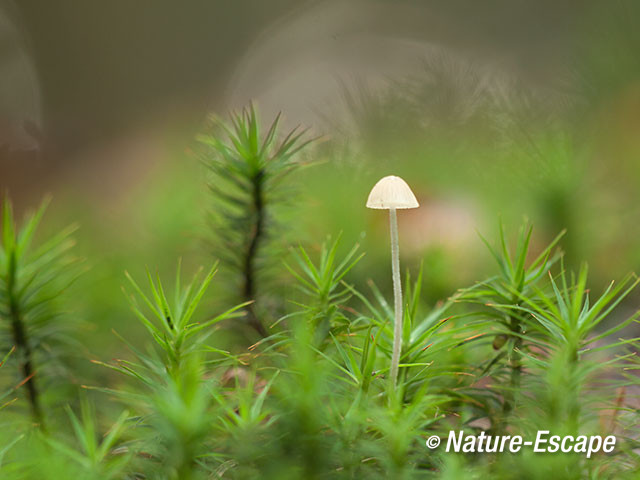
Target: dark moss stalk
[(516, 366), (256, 235), (515, 374), (22, 343)]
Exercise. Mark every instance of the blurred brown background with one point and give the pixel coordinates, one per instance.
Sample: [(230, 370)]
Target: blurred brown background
[(77, 77)]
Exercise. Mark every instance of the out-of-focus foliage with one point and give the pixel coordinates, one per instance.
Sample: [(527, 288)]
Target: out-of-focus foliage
[(519, 352), (31, 280)]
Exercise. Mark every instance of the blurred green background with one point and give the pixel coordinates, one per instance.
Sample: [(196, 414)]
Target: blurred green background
[(489, 110)]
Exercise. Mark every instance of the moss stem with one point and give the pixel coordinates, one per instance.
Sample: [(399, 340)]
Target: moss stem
[(22, 342), (255, 238)]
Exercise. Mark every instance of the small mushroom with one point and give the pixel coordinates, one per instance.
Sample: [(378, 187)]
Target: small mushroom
[(392, 193)]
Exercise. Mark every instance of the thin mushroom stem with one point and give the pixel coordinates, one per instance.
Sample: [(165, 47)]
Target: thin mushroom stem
[(397, 296), (391, 193)]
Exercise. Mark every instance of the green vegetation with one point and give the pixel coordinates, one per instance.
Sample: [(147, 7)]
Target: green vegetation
[(529, 348)]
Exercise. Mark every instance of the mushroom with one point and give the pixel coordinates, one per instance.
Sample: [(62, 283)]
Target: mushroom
[(392, 193)]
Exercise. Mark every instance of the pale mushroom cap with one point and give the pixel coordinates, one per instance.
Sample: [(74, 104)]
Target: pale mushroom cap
[(391, 192)]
